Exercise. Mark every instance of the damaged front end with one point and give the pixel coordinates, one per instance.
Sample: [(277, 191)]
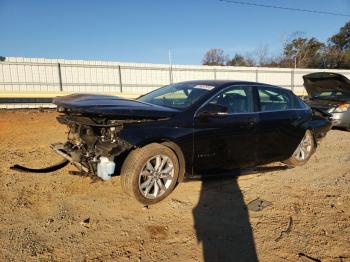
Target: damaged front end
[(95, 126), (93, 144)]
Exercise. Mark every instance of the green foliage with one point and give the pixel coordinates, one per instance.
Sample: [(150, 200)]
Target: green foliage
[(302, 52), (298, 51), (240, 60), (341, 40)]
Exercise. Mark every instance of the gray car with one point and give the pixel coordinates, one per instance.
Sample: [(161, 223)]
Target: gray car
[(330, 92)]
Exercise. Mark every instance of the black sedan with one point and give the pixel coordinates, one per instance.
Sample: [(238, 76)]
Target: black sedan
[(186, 129)]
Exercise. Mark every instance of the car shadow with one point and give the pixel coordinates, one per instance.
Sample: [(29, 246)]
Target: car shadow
[(340, 129), (221, 218)]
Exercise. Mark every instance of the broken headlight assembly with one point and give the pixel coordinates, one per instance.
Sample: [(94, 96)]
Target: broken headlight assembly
[(342, 108)]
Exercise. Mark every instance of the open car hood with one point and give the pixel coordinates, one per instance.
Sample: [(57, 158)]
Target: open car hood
[(325, 81), (112, 106)]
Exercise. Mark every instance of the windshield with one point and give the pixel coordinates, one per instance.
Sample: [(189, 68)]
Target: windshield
[(332, 95), (176, 95)]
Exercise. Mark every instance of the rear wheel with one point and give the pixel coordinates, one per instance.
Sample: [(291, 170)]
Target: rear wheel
[(303, 152), (150, 173)]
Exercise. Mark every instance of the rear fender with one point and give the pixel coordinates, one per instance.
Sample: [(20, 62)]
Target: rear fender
[(319, 127)]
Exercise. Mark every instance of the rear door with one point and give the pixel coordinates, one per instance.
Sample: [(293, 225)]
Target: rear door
[(227, 141), (281, 126)]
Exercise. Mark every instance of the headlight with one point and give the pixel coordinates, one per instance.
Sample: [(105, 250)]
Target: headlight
[(341, 108)]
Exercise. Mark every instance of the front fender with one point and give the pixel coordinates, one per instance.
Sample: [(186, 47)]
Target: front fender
[(180, 140)]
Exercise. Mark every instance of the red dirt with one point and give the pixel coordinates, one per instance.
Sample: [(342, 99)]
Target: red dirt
[(42, 216)]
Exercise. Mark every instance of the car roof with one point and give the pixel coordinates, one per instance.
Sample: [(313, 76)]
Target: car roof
[(223, 83)]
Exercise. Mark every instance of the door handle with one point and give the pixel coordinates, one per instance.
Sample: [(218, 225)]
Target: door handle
[(251, 124), (248, 125)]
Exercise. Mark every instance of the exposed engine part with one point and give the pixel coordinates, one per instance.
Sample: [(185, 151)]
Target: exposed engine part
[(49, 169), (92, 146), (61, 149)]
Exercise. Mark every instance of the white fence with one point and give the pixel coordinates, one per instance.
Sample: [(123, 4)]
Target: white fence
[(43, 76)]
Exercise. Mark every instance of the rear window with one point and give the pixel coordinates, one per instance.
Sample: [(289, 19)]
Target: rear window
[(275, 99), (331, 94)]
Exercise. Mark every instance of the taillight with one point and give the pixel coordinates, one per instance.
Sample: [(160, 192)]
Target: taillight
[(342, 108)]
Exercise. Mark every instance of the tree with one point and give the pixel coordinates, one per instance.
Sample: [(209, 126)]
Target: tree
[(341, 40), (302, 52), (262, 56), (331, 57), (215, 56), (240, 60), (298, 51), (337, 54)]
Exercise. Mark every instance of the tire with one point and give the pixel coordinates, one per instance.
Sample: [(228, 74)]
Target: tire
[(150, 174), (303, 152)]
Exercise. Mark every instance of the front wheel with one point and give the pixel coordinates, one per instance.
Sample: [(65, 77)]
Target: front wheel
[(303, 152), (150, 173)]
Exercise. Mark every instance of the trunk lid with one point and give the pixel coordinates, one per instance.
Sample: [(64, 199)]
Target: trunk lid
[(324, 81), (112, 106)]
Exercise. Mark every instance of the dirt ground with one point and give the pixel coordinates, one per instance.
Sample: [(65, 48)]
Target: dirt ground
[(57, 216)]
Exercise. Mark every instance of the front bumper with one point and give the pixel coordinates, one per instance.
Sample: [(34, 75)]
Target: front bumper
[(62, 150), (341, 119)]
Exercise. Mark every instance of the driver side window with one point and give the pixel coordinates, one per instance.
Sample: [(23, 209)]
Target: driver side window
[(237, 99)]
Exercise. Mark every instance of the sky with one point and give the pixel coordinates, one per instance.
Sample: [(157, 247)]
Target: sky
[(145, 30)]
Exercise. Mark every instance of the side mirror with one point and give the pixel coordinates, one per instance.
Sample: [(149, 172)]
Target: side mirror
[(305, 98), (212, 110)]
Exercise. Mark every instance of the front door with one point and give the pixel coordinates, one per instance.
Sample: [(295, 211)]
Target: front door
[(228, 140)]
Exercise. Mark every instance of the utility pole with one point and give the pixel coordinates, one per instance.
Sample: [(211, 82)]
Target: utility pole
[(170, 67), (169, 57)]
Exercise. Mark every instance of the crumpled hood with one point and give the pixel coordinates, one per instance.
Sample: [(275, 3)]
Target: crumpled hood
[(325, 81), (112, 106)]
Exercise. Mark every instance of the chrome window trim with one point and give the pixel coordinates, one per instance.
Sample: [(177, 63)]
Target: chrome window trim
[(253, 112), (293, 109)]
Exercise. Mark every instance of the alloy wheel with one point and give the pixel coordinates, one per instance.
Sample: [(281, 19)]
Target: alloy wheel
[(305, 147), (156, 177)]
